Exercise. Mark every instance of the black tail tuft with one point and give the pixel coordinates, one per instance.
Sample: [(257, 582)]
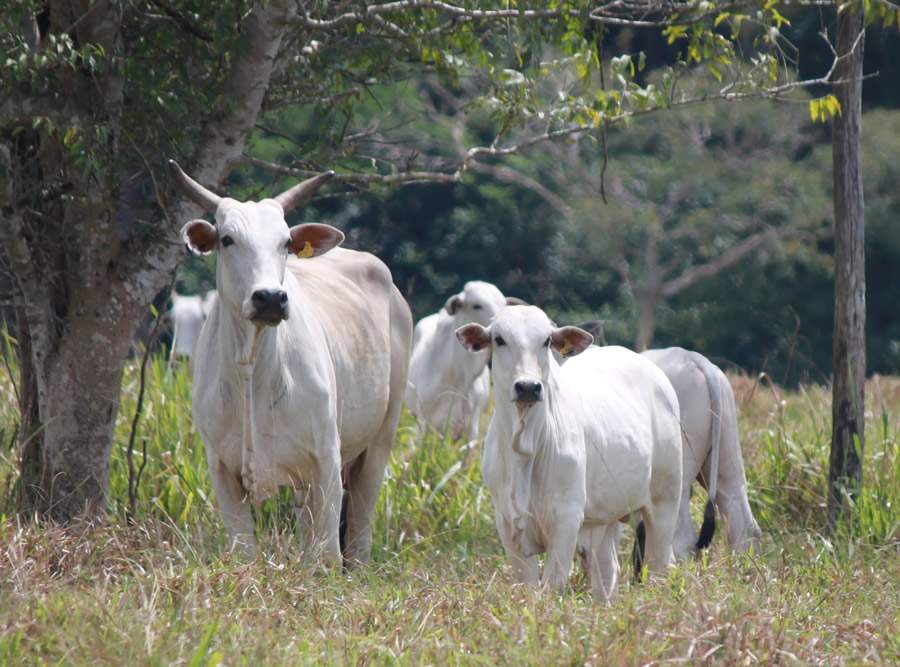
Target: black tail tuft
[(342, 526), (637, 551), (708, 529)]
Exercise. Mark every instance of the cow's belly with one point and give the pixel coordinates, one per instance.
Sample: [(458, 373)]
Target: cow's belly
[(362, 404), (617, 480)]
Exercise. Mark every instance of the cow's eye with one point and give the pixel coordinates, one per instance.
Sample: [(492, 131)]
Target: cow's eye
[(227, 241), (547, 342), (499, 341), (477, 306)]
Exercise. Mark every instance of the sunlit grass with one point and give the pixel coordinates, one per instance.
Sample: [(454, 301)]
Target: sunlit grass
[(439, 590)]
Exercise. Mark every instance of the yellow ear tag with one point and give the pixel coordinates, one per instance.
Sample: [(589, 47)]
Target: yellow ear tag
[(566, 349), (307, 251)]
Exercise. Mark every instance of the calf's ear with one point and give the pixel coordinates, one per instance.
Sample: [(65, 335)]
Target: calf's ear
[(515, 301), (199, 237), (569, 341), (454, 303), (312, 239), (474, 337)]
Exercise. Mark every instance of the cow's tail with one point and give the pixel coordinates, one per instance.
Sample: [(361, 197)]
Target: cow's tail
[(637, 551), (714, 386)]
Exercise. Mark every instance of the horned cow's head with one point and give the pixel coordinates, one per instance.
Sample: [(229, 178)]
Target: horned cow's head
[(254, 242)]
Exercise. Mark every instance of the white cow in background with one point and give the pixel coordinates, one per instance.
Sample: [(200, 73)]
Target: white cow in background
[(712, 450), (188, 313), (448, 388), (300, 369), (572, 450)]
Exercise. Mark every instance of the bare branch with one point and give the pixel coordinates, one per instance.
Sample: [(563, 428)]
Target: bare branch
[(182, 21), (358, 179), (510, 175), (635, 14), (724, 261)]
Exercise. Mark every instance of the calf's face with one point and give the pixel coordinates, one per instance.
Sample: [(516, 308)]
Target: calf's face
[(521, 338), (478, 302), (254, 243)]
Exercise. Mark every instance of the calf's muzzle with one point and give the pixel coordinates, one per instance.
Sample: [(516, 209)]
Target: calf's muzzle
[(270, 306), (528, 391)]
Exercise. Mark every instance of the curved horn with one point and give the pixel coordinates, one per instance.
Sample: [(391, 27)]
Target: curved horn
[(300, 193), (206, 198)]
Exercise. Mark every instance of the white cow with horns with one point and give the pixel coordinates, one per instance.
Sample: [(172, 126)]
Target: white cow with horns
[(300, 368), (449, 388), (573, 450)]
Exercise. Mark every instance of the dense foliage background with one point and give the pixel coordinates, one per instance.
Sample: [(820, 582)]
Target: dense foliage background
[(698, 181)]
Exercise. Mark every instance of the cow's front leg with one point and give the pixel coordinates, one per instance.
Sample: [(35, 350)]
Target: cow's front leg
[(234, 507), (526, 568), (562, 539), (599, 545), (323, 504)]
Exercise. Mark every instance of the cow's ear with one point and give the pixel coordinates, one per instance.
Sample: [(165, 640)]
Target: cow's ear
[(454, 303), (569, 341), (474, 337), (199, 236), (515, 301), (595, 328), (312, 239)]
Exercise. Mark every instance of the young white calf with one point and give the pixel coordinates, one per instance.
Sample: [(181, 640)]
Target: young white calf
[(572, 450), (712, 451), (188, 313), (447, 387)]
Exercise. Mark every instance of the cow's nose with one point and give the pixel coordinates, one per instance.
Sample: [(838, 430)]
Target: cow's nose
[(528, 391), (269, 305)]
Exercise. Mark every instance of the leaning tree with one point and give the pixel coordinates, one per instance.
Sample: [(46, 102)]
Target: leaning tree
[(96, 95)]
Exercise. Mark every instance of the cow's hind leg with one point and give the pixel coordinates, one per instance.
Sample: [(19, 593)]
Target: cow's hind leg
[(367, 472), (685, 534), (598, 546), (659, 521)]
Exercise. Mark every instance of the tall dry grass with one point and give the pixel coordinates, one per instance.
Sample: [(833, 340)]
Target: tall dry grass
[(439, 590)]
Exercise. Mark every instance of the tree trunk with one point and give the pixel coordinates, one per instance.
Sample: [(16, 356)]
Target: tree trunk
[(85, 262), (79, 382), (849, 344)]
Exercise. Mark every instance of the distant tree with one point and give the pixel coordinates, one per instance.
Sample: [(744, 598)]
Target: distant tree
[(691, 195)]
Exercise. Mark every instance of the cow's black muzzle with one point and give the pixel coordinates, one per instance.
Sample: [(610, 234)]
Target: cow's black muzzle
[(270, 306), (528, 391)]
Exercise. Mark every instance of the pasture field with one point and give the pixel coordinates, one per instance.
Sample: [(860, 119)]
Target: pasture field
[(163, 591)]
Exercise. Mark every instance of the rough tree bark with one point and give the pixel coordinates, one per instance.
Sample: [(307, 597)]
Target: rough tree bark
[(85, 275), (849, 343)]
